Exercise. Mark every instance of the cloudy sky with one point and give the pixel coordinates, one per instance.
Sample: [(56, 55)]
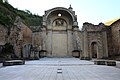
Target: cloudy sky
[(92, 11)]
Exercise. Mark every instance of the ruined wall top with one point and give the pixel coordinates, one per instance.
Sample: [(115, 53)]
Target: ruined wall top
[(91, 27)]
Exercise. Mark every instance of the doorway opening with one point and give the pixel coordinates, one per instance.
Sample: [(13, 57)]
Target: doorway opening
[(94, 49)]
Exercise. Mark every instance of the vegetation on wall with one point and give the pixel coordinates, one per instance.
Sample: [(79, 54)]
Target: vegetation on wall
[(8, 14), (29, 18)]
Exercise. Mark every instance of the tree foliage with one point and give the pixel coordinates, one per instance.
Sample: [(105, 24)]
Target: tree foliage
[(8, 14)]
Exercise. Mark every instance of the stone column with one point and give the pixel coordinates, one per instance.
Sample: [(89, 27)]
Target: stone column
[(33, 37), (75, 29), (32, 55), (49, 43), (27, 51), (44, 24), (70, 46), (105, 47), (44, 39), (85, 45), (76, 51), (75, 38), (36, 55), (100, 49)]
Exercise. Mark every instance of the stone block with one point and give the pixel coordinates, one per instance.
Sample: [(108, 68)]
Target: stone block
[(99, 62), (111, 63), (105, 62), (87, 58), (13, 62)]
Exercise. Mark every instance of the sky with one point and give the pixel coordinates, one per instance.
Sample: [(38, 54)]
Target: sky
[(92, 11)]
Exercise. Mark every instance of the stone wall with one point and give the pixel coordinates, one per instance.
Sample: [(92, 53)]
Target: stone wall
[(109, 40), (3, 35), (27, 34), (20, 35), (115, 30), (94, 34)]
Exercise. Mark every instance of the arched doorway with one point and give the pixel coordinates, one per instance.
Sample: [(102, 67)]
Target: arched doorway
[(94, 49)]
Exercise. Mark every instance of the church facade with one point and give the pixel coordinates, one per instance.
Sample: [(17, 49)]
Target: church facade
[(59, 26), (61, 37)]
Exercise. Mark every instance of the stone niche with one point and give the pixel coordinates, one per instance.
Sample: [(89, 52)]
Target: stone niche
[(76, 53), (43, 53)]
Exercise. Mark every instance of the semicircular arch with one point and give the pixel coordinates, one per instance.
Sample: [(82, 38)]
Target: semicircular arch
[(60, 10)]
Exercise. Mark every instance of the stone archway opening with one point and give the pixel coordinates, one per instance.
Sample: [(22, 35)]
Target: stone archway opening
[(94, 49)]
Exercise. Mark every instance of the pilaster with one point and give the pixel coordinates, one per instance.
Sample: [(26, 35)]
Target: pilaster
[(49, 42), (85, 42), (70, 46), (43, 38), (105, 47)]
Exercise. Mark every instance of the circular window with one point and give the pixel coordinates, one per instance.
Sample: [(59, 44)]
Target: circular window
[(59, 15)]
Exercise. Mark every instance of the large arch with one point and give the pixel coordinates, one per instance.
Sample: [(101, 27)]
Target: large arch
[(60, 10)]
